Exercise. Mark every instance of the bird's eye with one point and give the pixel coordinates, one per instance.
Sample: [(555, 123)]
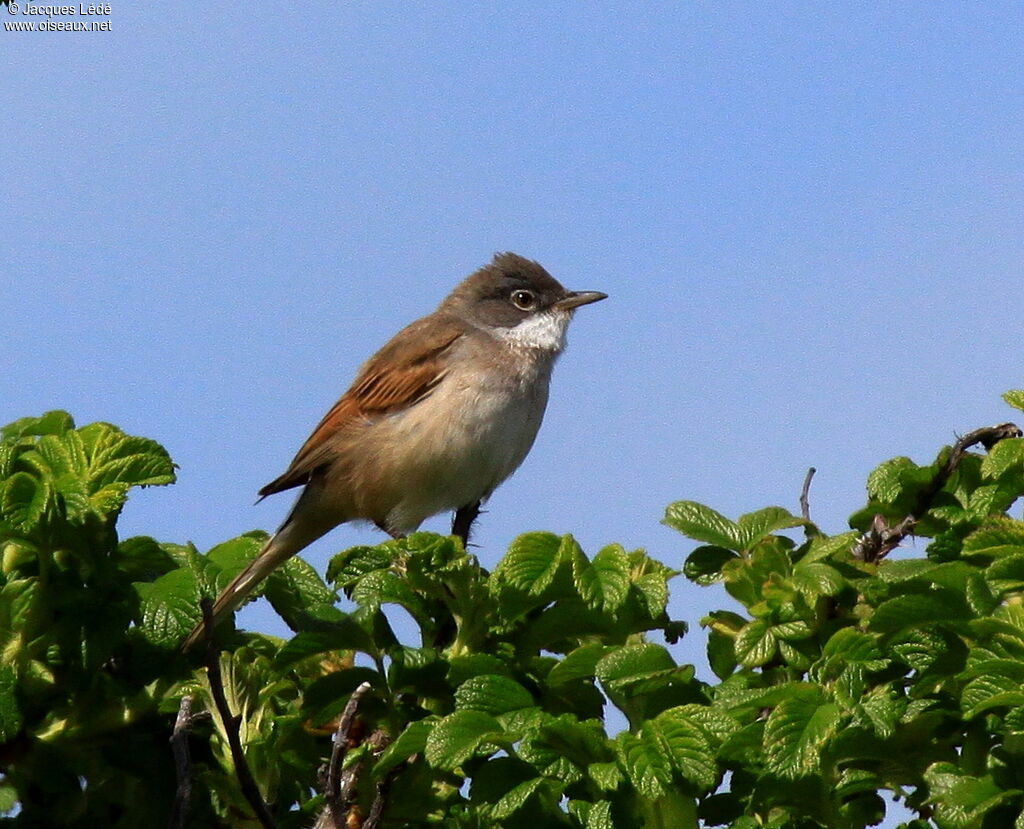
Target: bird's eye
[(523, 300)]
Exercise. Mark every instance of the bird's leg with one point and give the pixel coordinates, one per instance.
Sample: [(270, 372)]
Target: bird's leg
[(463, 521)]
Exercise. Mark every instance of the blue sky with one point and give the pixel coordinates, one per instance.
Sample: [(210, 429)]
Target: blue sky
[(807, 216)]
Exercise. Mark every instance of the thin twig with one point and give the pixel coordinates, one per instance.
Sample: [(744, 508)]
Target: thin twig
[(377, 809), (805, 505), (882, 538), (333, 791), (231, 723), (182, 764)]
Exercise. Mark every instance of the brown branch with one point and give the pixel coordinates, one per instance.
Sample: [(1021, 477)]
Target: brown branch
[(882, 538), (336, 791), (377, 809), (805, 505), (231, 722), (182, 764)]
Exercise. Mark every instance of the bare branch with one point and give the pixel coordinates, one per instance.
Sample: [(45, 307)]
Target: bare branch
[(336, 794), (231, 722), (805, 506), (881, 539), (182, 764)]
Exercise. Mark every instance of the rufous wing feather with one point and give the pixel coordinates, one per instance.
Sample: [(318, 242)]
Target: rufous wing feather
[(401, 374)]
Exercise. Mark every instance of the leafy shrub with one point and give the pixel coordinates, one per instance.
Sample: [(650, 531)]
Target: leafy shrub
[(850, 671)]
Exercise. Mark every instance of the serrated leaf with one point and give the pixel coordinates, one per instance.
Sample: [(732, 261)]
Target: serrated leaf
[(532, 562), (914, 610), (516, 798), (814, 579), (702, 523), (962, 801), (23, 500), (413, 740), (631, 662), (704, 565), (887, 481), (54, 422), (1015, 397), (685, 744), (607, 776), (170, 607), (756, 525), (603, 583), (755, 644), (493, 694), (646, 765), (796, 733), (653, 592), (852, 645), (580, 663), (350, 565), (455, 739), (826, 547), (297, 593), (884, 709), (1005, 455)]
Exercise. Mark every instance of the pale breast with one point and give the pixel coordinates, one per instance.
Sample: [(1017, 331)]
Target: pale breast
[(457, 445)]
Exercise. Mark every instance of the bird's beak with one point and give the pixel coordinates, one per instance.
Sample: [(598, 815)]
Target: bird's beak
[(574, 299)]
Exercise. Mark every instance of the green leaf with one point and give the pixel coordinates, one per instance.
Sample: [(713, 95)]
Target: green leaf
[(702, 523), (756, 525), (916, 609), (603, 583), (23, 499), (516, 798), (962, 801), (645, 763), (1015, 398), (346, 633), (685, 743), (704, 565), (814, 579), (170, 607), (884, 707), (795, 735), (582, 743), (295, 590), (996, 538), (897, 478), (580, 663), (456, 738), (51, 423), (607, 776), (755, 644), (413, 740), (532, 562), (493, 694), (630, 663), (1005, 455), (350, 565)]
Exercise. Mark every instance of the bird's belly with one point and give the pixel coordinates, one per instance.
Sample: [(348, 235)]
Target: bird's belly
[(451, 449)]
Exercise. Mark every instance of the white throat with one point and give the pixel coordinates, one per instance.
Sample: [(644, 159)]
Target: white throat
[(545, 332)]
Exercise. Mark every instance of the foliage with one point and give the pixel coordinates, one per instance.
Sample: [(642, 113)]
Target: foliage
[(843, 676)]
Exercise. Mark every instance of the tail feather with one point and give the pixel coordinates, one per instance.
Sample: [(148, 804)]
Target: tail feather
[(309, 519), (273, 553)]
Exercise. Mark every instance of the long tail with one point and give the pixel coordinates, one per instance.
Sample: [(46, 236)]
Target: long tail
[(294, 534), (232, 596)]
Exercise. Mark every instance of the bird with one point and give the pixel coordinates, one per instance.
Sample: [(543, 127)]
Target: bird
[(433, 422)]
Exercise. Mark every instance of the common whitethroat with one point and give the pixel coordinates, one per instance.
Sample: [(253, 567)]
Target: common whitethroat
[(433, 422)]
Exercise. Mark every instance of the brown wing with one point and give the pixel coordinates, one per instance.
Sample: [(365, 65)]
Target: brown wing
[(401, 374)]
